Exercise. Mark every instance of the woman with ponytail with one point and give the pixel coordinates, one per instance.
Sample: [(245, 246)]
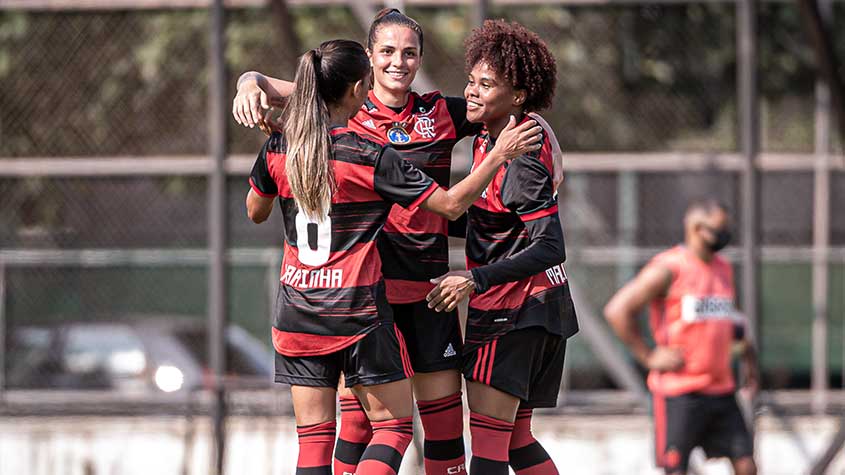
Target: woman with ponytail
[(335, 188)]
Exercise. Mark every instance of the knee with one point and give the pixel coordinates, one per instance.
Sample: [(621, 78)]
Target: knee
[(491, 402), (437, 385), (355, 426), (745, 466)]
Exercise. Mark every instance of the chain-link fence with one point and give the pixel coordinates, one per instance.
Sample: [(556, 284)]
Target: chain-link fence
[(640, 78), (104, 216)]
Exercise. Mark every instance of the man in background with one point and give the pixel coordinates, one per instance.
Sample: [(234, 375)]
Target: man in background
[(696, 329)]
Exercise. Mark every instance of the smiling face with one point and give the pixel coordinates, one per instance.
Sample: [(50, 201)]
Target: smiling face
[(490, 98), (395, 57)]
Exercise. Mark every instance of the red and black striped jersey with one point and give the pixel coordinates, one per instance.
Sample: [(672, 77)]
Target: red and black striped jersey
[(414, 243), (332, 290), (515, 250)]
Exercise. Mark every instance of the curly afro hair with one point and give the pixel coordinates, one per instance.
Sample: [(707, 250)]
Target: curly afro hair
[(519, 56)]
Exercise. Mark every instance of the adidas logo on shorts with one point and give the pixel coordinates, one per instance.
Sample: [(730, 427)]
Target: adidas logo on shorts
[(450, 351)]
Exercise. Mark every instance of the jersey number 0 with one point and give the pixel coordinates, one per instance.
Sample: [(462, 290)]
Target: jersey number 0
[(313, 240)]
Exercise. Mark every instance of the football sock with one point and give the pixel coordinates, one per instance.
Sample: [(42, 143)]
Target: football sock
[(383, 455), (526, 455), (355, 434), (490, 440), (315, 448), (443, 424)]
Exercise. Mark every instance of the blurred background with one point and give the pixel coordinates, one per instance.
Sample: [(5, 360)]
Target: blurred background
[(136, 296)]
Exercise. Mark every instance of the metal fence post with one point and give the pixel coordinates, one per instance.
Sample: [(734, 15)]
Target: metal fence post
[(749, 144), (217, 230), (627, 221), (2, 334), (480, 12), (821, 234)]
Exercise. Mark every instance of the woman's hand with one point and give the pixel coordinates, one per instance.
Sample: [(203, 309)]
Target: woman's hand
[(248, 102), (268, 124), (664, 358), (451, 289), (516, 140)]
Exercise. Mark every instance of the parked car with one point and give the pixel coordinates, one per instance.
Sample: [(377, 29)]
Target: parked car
[(161, 353)]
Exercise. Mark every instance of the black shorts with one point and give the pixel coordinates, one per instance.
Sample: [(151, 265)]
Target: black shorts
[(433, 338), (526, 363), (378, 358), (713, 423)]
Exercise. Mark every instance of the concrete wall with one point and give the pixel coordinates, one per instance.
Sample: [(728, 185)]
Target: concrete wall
[(583, 445)]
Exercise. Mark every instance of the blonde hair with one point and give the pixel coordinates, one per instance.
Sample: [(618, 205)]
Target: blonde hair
[(323, 76)]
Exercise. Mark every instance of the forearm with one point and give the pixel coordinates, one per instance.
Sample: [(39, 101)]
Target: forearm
[(545, 250), (633, 339), (258, 207), (624, 323), (749, 353), (461, 196), (276, 89)]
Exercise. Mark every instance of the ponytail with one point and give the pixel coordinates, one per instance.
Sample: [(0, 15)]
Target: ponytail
[(309, 147), (323, 77)]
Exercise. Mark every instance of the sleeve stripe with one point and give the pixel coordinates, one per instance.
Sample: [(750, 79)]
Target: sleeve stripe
[(423, 196), (539, 213), (259, 192)]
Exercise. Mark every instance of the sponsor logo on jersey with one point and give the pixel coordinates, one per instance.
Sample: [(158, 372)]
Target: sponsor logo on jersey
[(556, 275), (397, 135), (421, 110), (369, 123), (425, 127), (317, 278), (697, 309), (450, 351)]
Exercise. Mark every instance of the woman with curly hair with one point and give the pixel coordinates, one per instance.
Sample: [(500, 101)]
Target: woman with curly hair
[(520, 309)]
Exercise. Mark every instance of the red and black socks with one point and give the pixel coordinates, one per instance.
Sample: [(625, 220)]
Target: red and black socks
[(316, 442), (490, 441), (355, 434), (443, 423), (527, 456), (390, 440)]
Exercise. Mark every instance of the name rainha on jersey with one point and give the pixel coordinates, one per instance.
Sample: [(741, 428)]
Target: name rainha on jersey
[(316, 278)]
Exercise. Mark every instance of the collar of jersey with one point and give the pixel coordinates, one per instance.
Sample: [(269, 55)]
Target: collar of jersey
[(491, 141), (337, 129), (406, 112)]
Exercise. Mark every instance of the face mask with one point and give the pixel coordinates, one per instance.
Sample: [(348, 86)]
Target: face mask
[(723, 237)]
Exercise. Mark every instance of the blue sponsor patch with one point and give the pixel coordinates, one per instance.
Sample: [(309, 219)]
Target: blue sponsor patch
[(398, 136)]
